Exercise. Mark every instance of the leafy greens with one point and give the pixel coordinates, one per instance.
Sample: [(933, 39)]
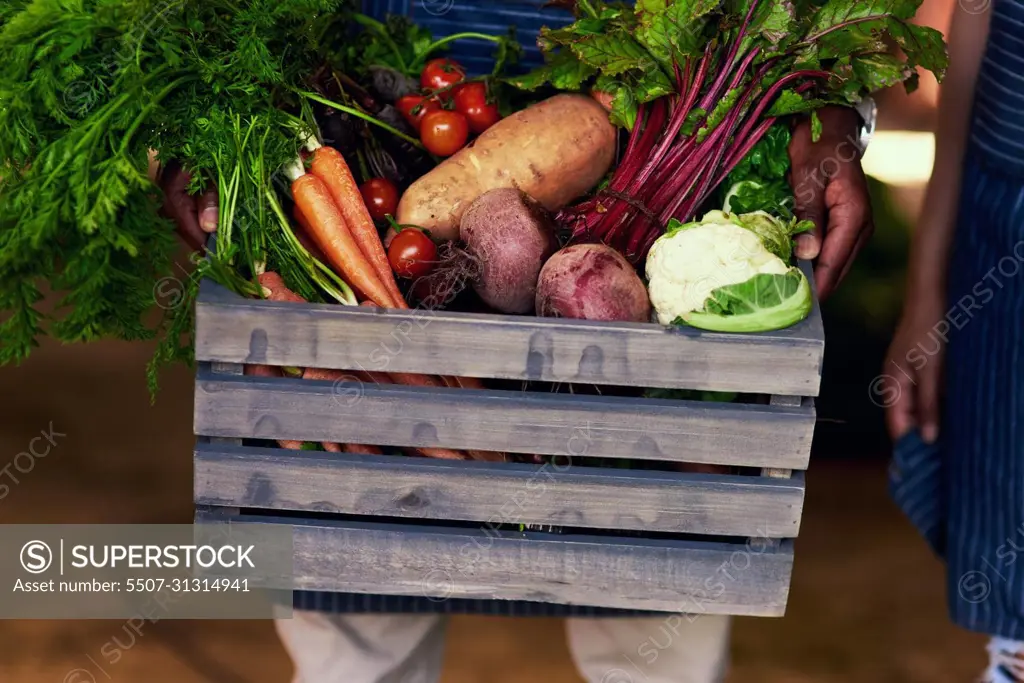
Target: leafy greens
[(700, 82), (89, 88)]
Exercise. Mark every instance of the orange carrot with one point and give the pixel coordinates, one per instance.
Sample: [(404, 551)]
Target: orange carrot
[(436, 453), (464, 382), (362, 448), (276, 289), (415, 380), (329, 230), (330, 167), (303, 235)]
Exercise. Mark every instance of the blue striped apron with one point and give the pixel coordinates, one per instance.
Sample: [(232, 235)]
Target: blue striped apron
[(966, 493)]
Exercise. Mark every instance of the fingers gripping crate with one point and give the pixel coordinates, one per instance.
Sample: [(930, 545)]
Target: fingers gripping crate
[(394, 525)]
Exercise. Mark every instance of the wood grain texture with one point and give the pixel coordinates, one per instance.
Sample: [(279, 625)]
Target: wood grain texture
[(227, 369), (520, 422), (497, 493), (691, 577), (238, 330)]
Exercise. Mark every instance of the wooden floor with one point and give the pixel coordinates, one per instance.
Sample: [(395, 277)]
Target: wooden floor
[(866, 606)]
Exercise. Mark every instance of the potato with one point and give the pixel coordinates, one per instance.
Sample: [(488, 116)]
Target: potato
[(592, 282), (553, 151), (511, 236)]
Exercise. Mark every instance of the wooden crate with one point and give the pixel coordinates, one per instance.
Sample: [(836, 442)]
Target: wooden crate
[(393, 525)]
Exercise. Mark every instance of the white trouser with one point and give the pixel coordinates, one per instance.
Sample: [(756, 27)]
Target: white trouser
[(398, 648)]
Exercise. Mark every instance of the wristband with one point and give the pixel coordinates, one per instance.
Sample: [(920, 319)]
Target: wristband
[(868, 112)]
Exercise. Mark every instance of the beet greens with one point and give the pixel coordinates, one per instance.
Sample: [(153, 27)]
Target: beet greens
[(700, 82)]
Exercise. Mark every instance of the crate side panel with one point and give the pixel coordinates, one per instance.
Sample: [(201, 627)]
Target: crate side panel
[(520, 422), (442, 563), (231, 329), (497, 493)]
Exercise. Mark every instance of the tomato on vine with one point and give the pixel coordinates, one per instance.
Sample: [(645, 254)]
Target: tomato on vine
[(412, 254), (444, 132), (441, 74), (471, 102), (415, 107), (380, 196)]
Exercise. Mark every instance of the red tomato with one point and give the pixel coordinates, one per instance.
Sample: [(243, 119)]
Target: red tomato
[(420, 104), (441, 73), (381, 197), (471, 101), (412, 254), (444, 132)]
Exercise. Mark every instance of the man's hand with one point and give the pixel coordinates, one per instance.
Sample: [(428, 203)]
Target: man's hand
[(195, 216), (831, 190)]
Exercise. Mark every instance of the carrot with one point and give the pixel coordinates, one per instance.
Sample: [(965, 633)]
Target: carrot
[(464, 382), (436, 453), (415, 380), (329, 230), (304, 238), (330, 167), (362, 448), (275, 289)]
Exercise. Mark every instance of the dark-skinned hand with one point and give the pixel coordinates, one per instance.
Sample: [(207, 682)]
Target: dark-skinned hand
[(831, 190), (194, 215)]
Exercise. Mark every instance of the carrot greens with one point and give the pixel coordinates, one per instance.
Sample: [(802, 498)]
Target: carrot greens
[(88, 89)]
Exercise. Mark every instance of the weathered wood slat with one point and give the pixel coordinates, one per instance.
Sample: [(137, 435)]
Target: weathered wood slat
[(233, 329), (674, 576), (227, 369), (520, 422), (497, 493)]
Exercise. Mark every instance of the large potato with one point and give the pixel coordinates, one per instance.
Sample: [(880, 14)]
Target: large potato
[(554, 151)]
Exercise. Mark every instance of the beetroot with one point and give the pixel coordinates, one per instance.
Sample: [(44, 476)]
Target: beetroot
[(510, 236), (592, 282)]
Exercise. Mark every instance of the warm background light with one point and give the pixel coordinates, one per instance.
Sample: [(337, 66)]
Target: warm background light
[(900, 157)]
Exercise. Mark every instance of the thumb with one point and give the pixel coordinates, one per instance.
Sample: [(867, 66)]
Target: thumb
[(206, 205), (810, 205), (809, 192)]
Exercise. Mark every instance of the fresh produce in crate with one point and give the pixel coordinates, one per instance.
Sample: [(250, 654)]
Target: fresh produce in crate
[(90, 90), (703, 88), (553, 151)]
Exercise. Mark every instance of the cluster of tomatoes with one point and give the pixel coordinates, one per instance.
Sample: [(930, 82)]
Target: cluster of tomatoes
[(412, 253), (450, 109)]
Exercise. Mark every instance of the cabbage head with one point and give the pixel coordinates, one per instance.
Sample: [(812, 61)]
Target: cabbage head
[(729, 273)]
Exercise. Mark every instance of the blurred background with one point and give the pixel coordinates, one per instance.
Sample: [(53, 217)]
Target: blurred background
[(867, 602)]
